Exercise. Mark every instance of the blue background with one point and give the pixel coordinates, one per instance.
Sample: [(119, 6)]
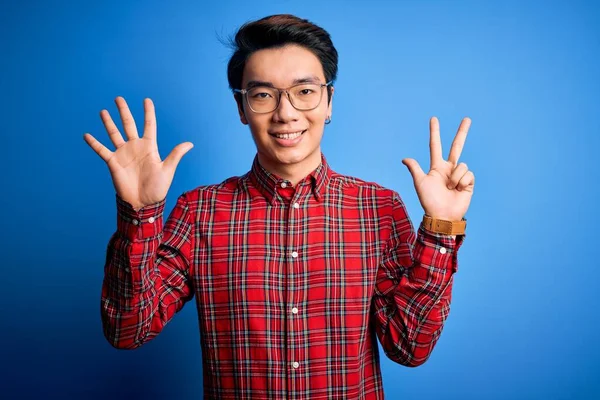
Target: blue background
[(524, 321)]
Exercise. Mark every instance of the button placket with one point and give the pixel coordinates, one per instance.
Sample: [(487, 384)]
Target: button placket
[(294, 243)]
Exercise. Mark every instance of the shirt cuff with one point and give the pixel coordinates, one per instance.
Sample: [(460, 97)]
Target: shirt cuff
[(145, 223), (438, 249)]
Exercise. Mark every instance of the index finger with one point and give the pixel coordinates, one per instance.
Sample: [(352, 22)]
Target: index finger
[(459, 140), (149, 119), (435, 142)]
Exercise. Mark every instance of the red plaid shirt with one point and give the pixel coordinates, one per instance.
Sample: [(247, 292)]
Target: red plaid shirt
[(293, 284)]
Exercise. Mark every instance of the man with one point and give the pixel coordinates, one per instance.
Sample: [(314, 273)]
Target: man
[(296, 269)]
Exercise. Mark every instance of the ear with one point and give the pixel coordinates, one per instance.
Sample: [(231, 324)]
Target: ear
[(240, 105), (330, 105)]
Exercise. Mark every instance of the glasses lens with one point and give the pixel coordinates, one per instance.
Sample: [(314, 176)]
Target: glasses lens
[(306, 96), (303, 97), (263, 99)]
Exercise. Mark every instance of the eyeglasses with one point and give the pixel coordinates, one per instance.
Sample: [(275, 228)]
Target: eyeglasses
[(265, 99)]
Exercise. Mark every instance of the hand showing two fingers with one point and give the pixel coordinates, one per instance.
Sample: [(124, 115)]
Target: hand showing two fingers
[(445, 192)]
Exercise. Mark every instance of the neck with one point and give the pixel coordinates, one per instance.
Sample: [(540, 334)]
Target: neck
[(293, 172)]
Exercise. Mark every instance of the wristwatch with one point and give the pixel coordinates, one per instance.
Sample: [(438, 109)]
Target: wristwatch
[(445, 227)]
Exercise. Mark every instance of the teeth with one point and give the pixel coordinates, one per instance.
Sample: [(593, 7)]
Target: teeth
[(289, 135)]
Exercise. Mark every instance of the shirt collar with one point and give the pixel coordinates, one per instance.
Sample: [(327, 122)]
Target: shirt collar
[(267, 182)]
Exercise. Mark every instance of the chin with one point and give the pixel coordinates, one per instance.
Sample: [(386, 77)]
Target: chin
[(290, 158)]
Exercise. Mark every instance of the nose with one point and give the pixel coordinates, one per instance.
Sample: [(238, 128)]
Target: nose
[(285, 111)]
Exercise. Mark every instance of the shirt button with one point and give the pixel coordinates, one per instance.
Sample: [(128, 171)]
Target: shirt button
[(296, 205), (294, 254), (127, 269), (294, 310), (443, 250), (135, 222), (296, 364), (283, 185), (151, 219)]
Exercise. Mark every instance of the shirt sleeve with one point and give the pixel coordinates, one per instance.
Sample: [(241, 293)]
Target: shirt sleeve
[(146, 274), (413, 289)]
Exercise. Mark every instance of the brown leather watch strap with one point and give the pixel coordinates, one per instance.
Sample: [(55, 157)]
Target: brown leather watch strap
[(443, 226)]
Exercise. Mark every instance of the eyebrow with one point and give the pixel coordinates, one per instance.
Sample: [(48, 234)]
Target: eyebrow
[(308, 79)]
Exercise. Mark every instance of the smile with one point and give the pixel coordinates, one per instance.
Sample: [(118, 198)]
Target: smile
[(288, 136)]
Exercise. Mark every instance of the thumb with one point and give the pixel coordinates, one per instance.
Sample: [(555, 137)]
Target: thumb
[(414, 168), (177, 154)]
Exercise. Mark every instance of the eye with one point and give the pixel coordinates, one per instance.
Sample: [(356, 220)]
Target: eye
[(261, 95), (305, 91)]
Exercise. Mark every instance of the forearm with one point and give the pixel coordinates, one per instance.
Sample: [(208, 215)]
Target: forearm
[(145, 281), (416, 305), (127, 300)]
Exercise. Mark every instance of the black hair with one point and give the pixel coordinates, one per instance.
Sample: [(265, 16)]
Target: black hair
[(277, 31)]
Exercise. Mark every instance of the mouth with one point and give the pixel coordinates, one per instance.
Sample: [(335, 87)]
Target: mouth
[(288, 138)]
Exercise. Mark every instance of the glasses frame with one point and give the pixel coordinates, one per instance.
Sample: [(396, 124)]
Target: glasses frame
[(244, 93)]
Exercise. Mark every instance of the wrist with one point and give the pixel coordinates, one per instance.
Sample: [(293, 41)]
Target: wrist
[(444, 226), (443, 217)]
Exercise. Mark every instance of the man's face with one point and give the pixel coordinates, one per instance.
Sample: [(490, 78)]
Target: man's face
[(284, 67)]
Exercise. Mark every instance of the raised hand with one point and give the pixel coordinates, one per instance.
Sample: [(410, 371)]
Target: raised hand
[(445, 191), (139, 176)]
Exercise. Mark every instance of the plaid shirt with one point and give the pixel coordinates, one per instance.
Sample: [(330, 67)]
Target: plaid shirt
[(293, 284)]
